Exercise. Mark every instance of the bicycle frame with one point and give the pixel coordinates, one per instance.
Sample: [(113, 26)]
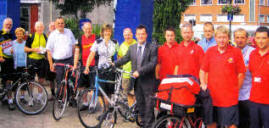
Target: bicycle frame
[(117, 84), (67, 69)]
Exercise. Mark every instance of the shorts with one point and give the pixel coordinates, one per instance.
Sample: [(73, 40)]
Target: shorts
[(259, 115), (7, 67), (127, 86), (86, 80), (40, 66), (226, 116)]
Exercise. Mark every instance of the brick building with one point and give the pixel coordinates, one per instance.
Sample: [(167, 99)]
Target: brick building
[(253, 13)]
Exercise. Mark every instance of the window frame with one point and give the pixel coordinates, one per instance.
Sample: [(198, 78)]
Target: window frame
[(206, 4), (228, 2), (244, 1)]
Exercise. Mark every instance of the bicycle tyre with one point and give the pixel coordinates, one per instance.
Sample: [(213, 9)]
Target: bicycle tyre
[(109, 120), (171, 122), (30, 95), (91, 116), (60, 102)]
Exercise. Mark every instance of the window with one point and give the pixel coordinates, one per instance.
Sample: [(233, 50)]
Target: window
[(189, 17), (267, 19), (224, 1), (222, 18), (261, 2), (261, 19), (25, 17), (206, 18), (239, 1), (206, 1), (193, 2), (267, 2)]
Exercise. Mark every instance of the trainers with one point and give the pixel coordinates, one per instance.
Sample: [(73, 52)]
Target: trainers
[(84, 107), (11, 106)]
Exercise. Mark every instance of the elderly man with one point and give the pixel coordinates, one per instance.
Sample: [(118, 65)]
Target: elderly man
[(6, 57), (60, 47), (126, 81), (259, 68), (240, 38), (82, 49), (222, 73), (208, 40), (35, 47)]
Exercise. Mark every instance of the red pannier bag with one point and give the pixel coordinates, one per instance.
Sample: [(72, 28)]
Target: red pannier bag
[(178, 90)]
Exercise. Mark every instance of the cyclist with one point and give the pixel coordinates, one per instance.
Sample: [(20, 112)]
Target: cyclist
[(60, 47), (128, 90), (6, 57), (105, 48), (35, 46), (82, 49)]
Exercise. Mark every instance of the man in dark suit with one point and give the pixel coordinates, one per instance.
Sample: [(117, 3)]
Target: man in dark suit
[(143, 57)]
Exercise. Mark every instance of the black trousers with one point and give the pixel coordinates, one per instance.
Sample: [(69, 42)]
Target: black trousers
[(244, 118), (145, 103), (60, 69)]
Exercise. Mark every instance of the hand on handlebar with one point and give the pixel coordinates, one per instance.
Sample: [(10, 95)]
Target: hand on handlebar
[(87, 70), (204, 86)]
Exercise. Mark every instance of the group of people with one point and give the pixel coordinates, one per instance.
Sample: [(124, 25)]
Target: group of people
[(16, 52), (236, 77)]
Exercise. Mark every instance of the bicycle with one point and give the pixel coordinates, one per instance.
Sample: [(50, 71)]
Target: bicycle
[(66, 92), (98, 114), (30, 97), (174, 115)]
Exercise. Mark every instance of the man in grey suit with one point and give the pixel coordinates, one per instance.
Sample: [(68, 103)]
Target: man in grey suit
[(143, 57)]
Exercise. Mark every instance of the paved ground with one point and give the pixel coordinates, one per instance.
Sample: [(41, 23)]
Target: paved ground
[(16, 119)]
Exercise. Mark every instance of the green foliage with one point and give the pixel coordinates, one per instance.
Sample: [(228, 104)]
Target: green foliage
[(74, 6), (73, 24), (167, 13), (235, 9)]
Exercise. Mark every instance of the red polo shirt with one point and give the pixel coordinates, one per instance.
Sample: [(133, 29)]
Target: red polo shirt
[(189, 59), (223, 70), (86, 46), (259, 68), (167, 58)]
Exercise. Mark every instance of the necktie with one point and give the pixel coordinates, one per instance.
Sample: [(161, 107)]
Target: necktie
[(139, 57)]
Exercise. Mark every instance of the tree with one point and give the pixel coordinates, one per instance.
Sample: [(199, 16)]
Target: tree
[(167, 13), (73, 7)]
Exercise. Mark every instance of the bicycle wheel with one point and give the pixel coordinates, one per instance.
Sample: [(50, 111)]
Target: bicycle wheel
[(90, 110), (60, 102), (171, 122), (109, 120), (31, 98), (125, 111)]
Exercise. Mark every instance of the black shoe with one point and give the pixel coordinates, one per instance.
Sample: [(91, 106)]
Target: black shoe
[(4, 102), (84, 107), (73, 102), (23, 101), (11, 106), (102, 116)]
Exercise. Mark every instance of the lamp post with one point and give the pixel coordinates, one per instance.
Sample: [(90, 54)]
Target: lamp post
[(230, 18)]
